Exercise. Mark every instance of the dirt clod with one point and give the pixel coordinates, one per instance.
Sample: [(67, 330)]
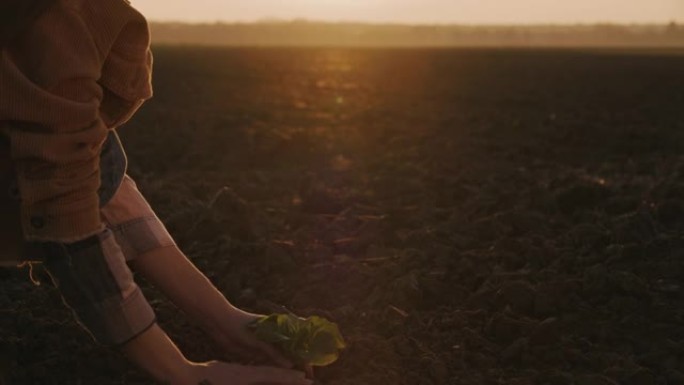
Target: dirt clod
[(548, 332), (641, 377), (519, 295)]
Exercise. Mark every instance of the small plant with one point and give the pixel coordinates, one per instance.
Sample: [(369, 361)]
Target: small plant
[(311, 341)]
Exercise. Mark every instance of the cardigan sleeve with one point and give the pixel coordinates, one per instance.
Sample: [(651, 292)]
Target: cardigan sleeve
[(51, 98)]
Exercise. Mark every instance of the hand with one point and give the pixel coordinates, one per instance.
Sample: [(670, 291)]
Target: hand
[(173, 273), (221, 373), (234, 337)]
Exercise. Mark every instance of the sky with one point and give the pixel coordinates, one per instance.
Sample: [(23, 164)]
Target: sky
[(418, 11)]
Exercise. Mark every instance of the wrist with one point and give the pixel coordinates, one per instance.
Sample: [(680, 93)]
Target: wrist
[(154, 352), (223, 320), (187, 373)]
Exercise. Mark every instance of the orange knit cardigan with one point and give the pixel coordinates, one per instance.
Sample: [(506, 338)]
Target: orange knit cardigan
[(82, 69)]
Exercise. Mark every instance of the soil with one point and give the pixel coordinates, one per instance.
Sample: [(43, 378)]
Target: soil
[(467, 217)]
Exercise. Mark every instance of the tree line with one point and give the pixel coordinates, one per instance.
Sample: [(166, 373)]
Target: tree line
[(308, 33)]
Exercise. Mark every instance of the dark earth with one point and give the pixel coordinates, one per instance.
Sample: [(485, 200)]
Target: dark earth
[(472, 217)]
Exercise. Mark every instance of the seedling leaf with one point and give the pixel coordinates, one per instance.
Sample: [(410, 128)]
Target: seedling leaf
[(306, 341)]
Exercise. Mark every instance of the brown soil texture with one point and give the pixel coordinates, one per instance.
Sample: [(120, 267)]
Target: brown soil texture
[(467, 217)]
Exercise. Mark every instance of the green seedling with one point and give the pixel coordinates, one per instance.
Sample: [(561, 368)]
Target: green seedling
[(313, 341)]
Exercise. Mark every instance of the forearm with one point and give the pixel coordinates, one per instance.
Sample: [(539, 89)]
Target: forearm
[(154, 352), (170, 270), (96, 283)]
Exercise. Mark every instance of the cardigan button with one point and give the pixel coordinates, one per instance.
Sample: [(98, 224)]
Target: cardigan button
[(37, 222)]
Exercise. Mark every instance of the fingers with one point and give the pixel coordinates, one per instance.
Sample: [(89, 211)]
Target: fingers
[(257, 353), (274, 355), (217, 372), (308, 370), (305, 382), (309, 382), (281, 383), (252, 346), (265, 375), (234, 348)]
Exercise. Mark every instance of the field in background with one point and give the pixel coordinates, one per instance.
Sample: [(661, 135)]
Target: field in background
[(305, 33), (467, 216)]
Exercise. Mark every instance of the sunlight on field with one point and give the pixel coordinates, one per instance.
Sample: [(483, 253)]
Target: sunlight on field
[(337, 61), (336, 76)]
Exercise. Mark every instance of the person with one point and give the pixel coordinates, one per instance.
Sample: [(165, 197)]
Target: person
[(71, 73)]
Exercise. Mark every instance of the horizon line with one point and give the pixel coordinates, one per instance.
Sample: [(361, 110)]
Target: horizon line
[(416, 24)]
